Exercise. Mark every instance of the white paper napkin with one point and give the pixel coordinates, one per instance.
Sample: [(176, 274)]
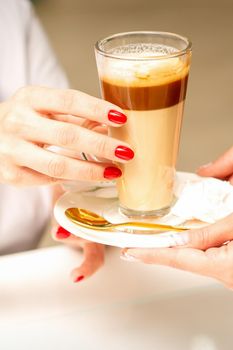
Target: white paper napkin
[(204, 199)]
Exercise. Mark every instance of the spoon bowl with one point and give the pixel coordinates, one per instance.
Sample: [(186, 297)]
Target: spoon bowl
[(91, 220)]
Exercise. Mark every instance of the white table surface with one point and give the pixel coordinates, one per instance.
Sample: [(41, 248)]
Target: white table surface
[(124, 306)]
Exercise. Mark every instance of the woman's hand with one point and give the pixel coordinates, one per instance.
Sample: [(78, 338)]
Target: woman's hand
[(93, 253), (209, 250), (37, 117), (221, 168)]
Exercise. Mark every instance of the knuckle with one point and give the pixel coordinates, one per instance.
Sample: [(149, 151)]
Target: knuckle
[(8, 145), (97, 108), (56, 167), (89, 124), (23, 93), (10, 122), (67, 136), (201, 239), (13, 123), (89, 173), (67, 100), (102, 146), (11, 176)]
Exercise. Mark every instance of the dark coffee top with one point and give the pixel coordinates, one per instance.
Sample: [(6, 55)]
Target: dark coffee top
[(145, 97)]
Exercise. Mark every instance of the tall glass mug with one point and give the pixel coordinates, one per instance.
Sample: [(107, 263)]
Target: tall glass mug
[(146, 74)]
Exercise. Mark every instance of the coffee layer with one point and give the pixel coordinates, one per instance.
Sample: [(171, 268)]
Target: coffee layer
[(147, 181), (146, 97)]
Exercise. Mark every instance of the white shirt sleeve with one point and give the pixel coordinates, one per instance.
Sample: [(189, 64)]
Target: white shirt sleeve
[(43, 67), (26, 59)]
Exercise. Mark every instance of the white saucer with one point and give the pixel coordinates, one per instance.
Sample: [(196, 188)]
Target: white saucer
[(108, 208)]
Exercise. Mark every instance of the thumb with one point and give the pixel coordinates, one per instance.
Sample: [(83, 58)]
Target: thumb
[(221, 168), (212, 235)]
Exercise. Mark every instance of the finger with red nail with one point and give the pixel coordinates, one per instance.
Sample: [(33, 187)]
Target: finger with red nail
[(93, 253)]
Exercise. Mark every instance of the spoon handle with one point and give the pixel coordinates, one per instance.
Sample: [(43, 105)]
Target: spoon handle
[(149, 226)]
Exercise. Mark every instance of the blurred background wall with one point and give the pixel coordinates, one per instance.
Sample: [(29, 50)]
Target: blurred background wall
[(74, 26)]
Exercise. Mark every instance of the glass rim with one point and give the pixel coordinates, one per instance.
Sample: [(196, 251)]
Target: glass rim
[(178, 53)]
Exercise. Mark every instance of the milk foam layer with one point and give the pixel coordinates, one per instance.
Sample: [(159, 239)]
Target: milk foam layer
[(157, 68), (142, 50)]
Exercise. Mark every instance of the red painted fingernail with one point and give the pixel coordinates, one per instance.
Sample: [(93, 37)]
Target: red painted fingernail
[(112, 173), (62, 233), (117, 117), (78, 279), (124, 152)]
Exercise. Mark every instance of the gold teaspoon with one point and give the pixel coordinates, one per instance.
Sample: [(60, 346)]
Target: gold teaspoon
[(88, 219)]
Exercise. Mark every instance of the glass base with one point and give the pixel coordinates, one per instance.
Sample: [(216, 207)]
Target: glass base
[(130, 213)]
